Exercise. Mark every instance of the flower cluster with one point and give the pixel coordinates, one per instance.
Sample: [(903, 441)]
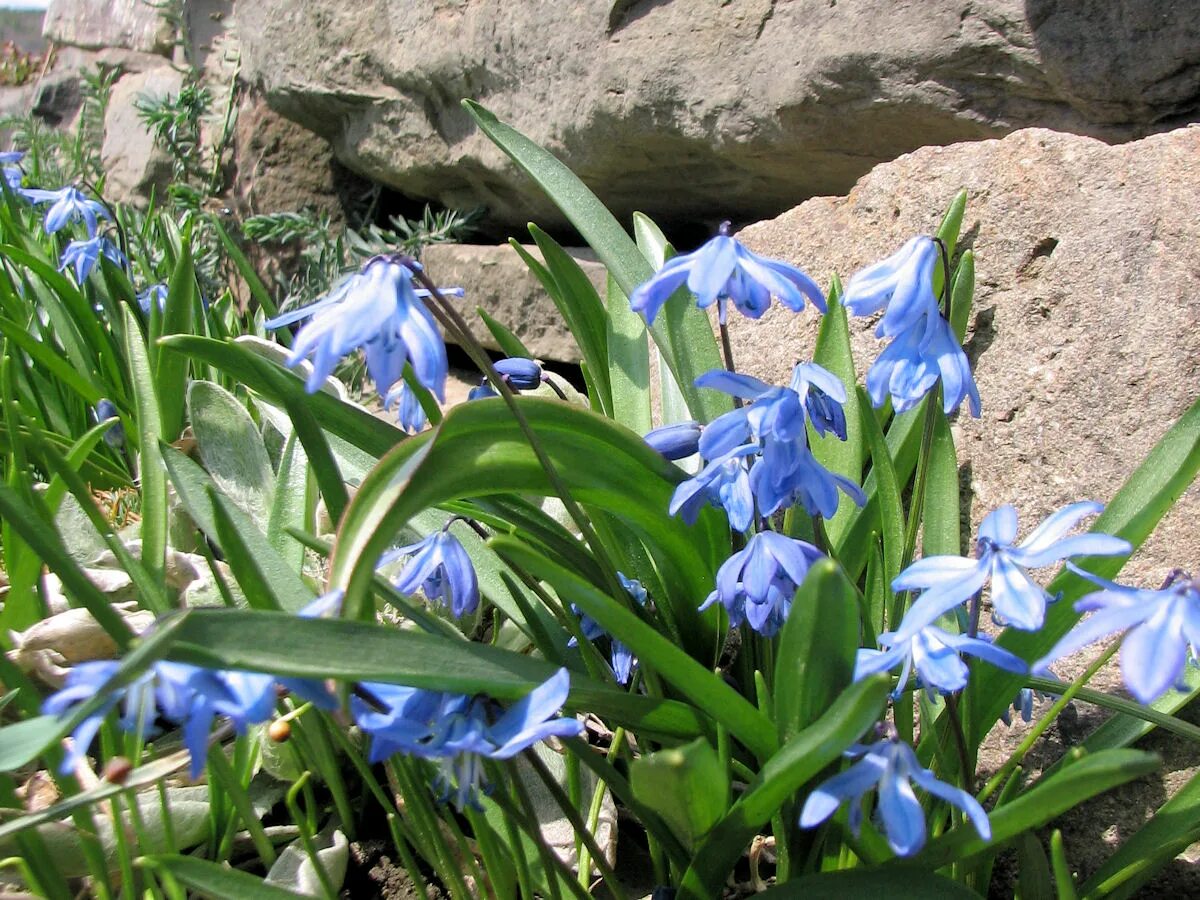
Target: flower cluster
[(439, 567)]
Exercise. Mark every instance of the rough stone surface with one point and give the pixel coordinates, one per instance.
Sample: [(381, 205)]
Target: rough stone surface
[(704, 109), (1084, 343), (135, 165), (131, 24), (496, 279)]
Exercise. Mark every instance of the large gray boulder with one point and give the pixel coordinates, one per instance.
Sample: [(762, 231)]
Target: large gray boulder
[(94, 24), (1083, 336), (703, 109)]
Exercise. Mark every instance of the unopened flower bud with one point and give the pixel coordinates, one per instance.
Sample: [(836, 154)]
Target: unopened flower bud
[(677, 441), (521, 374)]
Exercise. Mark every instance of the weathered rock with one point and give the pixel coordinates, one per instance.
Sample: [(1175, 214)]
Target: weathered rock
[(131, 24), (135, 164), (495, 278), (707, 109)]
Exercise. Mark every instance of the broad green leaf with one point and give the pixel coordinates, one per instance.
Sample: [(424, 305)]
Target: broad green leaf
[(832, 352), (170, 369), (510, 344), (479, 451), (796, 763), (940, 523), (628, 363), (18, 739), (289, 506), (1033, 869), (708, 691), (1139, 504), (150, 431), (682, 332), (657, 250), (231, 448), (353, 424), (687, 785), (882, 883), (194, 486), (948, 232), (364, 651), (814, 662), (1040, 804), (250, 577), (212, 879), (887, 490)]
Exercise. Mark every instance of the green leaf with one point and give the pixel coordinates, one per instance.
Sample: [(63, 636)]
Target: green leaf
[(628, 362), (510, 344), (480, 451), (18, 739), (887, 490), (707, 690), (217, 880), (170, 369), (940, 525), (1141, 502), (1033, 869), (1040, 804), (195, 492), (887, 883), (45, 357), (833, 352), (231, 448), (962, 295), (150, 431), (814, 662), (948, 232), (682, 332), (364, 651), (686, 785), (289, 506), (797, 762)]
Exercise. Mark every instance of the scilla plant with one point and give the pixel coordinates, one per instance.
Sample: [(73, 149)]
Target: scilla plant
[(712, 611)]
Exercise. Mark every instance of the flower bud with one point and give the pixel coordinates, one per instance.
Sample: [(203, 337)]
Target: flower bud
[(521, 374), (677, 441)]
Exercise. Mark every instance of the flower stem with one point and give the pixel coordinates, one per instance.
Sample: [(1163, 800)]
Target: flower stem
[(727, 354)]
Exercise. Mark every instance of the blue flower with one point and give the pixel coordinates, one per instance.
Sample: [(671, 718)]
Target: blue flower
[(520, 374), (10, 157), (1023, 704), (185, 695), (901, 285), (774, 414), (376, 309), (758, 582), (408, 408), (482, 391), (68, 205), (822, 394), (674, 442), (936, 654), (1016, 599), (84, 255), (623, 660), (115, 435), (723, 482), (723, 270), (441, 568), (156, 293), (788, 473), (1162, 629), (910, 366), (12, 177), (892, 767), (461, 731)]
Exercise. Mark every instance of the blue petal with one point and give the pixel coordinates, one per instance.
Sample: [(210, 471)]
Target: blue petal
[(957, 797), (1153, 655), (532, 718), (1057, 524), (903, 820), (712, 266), (849, 785)]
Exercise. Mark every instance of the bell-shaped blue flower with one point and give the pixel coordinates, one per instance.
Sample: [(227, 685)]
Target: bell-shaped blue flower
[(937, 656), (675, 442), (156, 294), (409, 412), (788, 473), (67, 205), (764, 574), (911, 365), (1162, 630), (441, 568), (115, 436), (724, 270), (521, 374), (901, 285), (83, 256), (892, 768), (376, 309), (482, 391), (724, 482), (1017, 600)]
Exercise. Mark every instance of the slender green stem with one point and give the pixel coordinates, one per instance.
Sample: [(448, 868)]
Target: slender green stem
[(306, 836)]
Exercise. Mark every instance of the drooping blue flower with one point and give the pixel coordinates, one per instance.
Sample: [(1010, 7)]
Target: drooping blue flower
[(1023, 705), (901, 285), (482, 391), (441, 568), (1162, 629), (724, 270), (105, 410), (774, 413), (937, 656), (788, 473), (409, 412), (1017, 600), (189, 696), (911, 365), (156, 294), (461, 731), (822, 394), (724, 482), (520, 374), (891, 767), (67, 205), (11, 157), (675, 442), (623, 660), (757, 583), (13, 176), (376, 309), (84, 255)]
